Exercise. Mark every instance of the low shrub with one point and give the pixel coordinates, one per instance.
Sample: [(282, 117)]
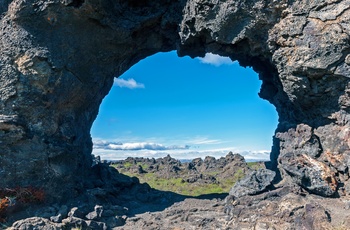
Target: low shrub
[(16, 196)]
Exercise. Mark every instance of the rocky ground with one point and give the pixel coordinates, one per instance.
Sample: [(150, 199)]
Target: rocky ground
[(283, 208), (118, 201), (193, 178)]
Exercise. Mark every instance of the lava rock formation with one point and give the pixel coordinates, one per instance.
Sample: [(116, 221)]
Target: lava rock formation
[(58, 59)]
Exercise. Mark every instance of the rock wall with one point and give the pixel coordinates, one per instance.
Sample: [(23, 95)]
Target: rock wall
[(58, 59)]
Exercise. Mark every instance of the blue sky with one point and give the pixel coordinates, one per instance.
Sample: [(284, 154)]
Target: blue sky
[(186, 108)]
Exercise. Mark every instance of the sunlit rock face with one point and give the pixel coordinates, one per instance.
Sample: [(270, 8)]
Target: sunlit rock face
[(58, 59)]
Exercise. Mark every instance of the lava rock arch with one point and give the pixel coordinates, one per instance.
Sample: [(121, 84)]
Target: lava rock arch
[(58, 59)]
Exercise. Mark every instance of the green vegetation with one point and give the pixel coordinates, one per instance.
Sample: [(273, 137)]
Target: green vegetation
[(180, 186), (207, 177), (127, 165), (238, 175), (255, 165), (143, 165)]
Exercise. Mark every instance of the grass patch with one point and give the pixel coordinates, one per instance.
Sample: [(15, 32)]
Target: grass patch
[(178, 185), (255, 165), (128, 164), (143, 165)]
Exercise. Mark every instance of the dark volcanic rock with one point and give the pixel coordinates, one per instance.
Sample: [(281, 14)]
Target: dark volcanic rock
[(254, 183), (284, 208), (315, 175), (288, 207), (196, 171), (36, 223), (58, 59)]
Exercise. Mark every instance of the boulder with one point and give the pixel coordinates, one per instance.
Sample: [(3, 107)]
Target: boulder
[(254, 183)]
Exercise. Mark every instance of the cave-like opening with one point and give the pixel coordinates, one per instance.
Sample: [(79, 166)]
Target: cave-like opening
[(186, 108)]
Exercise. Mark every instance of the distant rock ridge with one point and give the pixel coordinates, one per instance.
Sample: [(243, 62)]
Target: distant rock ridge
[(198, 170)]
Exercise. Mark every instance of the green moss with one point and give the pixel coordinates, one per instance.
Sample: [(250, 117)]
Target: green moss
[(125, 166), (238, 175), (143, 165), (212, 173), (255, 165), (178, 185), (128, 164)]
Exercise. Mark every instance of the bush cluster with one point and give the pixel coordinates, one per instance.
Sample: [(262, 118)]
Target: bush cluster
[(17, 196)]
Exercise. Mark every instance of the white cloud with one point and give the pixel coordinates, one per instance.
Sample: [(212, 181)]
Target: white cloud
[(119, 150), (130, 83), (112, 154), (205, 141), (261, 155), (216, 60), (100, 144)]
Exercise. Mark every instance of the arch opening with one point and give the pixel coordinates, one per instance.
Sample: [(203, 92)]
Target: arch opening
[(187, 108), (53, 83)]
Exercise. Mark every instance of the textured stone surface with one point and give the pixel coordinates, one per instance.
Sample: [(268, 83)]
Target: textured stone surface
[(254, 183), (57, 62), (58, 59), (285, 208), (197, 173), (288, 207)]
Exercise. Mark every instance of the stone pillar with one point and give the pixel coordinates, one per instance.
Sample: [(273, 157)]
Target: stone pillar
[(310, 47)]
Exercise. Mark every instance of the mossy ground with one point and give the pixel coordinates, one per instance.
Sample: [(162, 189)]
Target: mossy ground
[(178, 185)]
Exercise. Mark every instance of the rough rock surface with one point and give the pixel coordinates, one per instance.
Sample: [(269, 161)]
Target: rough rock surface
[(255, 182), (285, 208), (107, 202), (120, 202), (288, 207), (58, 59)]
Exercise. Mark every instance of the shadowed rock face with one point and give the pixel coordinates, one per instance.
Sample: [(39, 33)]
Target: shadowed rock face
[(58, 59)]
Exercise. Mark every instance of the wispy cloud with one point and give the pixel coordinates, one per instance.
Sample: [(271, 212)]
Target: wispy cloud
[(129, 83), (99, 144), (205, 141), (199, 146), (104, 143), (260, 155), (216, 60), (111, 154)]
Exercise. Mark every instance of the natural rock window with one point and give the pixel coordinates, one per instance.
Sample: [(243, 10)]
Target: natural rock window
[(187, 108), (57, 62)]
